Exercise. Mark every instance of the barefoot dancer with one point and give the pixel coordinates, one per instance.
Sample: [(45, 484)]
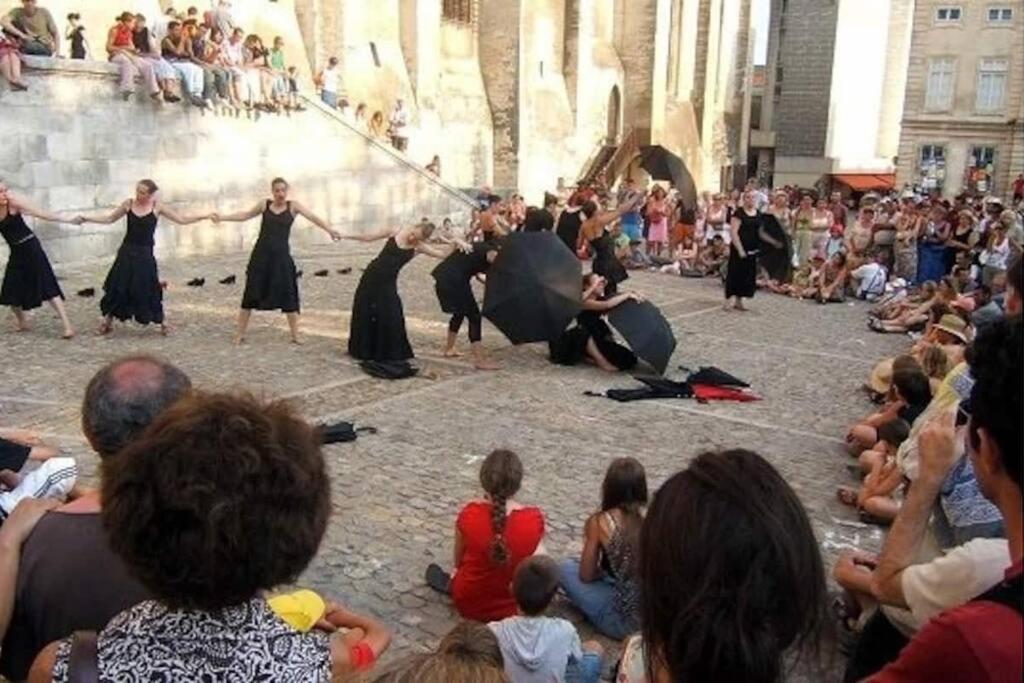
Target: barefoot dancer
[(270, 278), (748, 233), (132, 288), (591, 338), (594, 232), (377, 329), (453, 283), (28, 279)]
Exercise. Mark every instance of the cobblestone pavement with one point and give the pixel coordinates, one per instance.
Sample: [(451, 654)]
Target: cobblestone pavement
[(396, 493)]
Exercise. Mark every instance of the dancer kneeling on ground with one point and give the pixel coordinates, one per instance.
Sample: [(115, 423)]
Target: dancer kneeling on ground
[(492, 536), (732, 576), (603, 583), (540, 648), (591, 338), (208, 530)]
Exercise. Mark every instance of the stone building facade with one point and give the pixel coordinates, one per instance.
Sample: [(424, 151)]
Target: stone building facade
[(834, 88), (963, 122)]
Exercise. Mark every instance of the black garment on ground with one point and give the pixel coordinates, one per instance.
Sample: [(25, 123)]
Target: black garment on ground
[(271, 281), (453, 279), (538, 219), (377, 329), (28, 278), (715, 377), (132, 289), (741, 278), (568, 229), (68, 580), (879, 644), (389, 369), (13, 455), (606, 263), (570, 348)]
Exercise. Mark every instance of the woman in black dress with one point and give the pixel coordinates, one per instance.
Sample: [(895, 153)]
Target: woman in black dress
[(453, 283), (748, 233), (28, 279), (271, 280), (132, 289), (591, 338), (594, 232), (569, 221), (377, 329)]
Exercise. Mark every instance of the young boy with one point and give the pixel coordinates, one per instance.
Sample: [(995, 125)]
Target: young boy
[(539, 649)]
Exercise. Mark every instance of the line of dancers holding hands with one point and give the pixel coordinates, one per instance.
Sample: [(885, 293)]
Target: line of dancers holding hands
[(132, 289)]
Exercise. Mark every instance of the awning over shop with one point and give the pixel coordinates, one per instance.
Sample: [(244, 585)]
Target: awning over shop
[(865, 182)]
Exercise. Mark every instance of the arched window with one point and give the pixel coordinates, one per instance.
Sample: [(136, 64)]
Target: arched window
[(460, 11)]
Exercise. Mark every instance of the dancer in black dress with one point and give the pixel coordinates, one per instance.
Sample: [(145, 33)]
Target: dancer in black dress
[(377, 329), (594, 232), (28, 279), (132, 289), (569, 221), (453, 282), (591, 338), (271, 282), (748, 233)]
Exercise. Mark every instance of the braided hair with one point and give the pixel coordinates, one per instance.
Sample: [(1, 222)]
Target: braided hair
[(500, 476)]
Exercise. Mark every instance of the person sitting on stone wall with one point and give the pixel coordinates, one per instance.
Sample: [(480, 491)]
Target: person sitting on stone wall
[(34, 29), (176, 48), (148, 50), (10, 63)]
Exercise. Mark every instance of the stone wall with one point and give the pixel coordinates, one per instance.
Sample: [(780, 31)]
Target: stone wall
[(71, 145)]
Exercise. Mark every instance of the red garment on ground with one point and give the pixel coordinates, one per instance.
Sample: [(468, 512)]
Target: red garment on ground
[(979, 641), (708, 392), (481, 590)]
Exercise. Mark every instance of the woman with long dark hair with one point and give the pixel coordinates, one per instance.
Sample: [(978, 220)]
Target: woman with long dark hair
[(28, 278), (132, 289), (377, 328), (604, 583), (271, 280), (492, 536), (731, 573), (591, 338)]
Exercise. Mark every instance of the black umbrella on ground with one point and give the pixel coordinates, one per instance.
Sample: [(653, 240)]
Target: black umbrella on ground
[(777, 261), (533, 287), (664, 165), (646, 331)]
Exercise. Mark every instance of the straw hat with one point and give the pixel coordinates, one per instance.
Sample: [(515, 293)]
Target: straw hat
[(954, 325), (881, 377)]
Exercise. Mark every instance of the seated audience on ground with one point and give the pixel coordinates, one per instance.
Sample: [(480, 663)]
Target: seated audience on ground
[(86, 584), (916, 318), (603, 583), (540, 649), (869, 279), (911, 393), (831, 284), (714, 258), (33, 28), (734, 588), (208, 530), (53, 478), (470, 653), (980, 640), (492, 536), (16, 527), (876, 498), (684, 257)]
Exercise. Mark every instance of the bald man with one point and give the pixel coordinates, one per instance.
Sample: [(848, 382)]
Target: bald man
[(68, 579)]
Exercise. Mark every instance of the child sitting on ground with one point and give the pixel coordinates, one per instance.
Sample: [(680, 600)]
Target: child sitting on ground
[(910, 394), (537, 648), (875, 499), (684, 258), (714, 257)]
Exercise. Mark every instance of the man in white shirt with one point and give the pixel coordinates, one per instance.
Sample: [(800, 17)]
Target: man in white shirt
[(870, 278), (327, 79), (398, 121)]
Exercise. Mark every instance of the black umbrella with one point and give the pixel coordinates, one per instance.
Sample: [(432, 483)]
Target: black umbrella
[(664, 165), (776, 260), (646, 331), (533, 287)]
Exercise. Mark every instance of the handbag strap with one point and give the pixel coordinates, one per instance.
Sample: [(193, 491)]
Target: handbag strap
[(83, 660)]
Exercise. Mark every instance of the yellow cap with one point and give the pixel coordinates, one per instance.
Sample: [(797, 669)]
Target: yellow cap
[(300, 609)]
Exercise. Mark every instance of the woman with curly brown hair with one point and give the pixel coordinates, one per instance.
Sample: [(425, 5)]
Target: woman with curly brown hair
[(492, 536), (223, 498), (470, 653)]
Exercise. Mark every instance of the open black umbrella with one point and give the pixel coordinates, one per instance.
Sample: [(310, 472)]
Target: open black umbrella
[(664, 165), (533, 287), (646, 331), (777, 261)]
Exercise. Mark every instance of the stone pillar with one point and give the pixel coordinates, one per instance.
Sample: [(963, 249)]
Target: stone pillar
[(571, 52), (420, 35), (501, 63)]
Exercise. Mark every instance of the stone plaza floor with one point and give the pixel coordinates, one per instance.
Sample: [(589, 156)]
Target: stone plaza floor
[(396, 493)]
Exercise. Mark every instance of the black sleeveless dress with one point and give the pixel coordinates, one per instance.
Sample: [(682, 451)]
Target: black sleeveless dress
[(741, 277), (606, 263), (132, 289), (453, 279), (270, 278), (568, 229), (570, 348), (28, 278), (377, 330)]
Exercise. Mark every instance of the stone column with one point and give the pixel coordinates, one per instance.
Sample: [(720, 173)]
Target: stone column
[(501, 63)]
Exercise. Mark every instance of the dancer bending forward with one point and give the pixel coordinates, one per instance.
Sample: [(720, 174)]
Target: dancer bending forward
[(271, 280)]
